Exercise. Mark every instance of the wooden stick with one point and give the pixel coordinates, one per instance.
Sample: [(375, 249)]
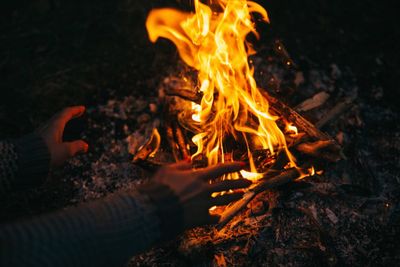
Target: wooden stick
[(281, 179), (235, 208), (337, 110), (313, 102), (292, 116), (190, 95), (171, 140), (180, 138)]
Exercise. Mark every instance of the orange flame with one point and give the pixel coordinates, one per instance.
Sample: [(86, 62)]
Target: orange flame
[(214, 43), (290, 128)]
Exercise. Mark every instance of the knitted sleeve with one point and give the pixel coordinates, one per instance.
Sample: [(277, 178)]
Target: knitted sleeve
[(102, 233), (24, 163)]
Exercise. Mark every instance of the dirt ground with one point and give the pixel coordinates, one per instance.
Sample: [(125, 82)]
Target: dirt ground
[(59, 53)]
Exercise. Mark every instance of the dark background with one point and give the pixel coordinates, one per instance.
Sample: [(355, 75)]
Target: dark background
[(55, 53)]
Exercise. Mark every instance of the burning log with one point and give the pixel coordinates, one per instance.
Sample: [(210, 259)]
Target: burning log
[(265, 184), (313, 102), (181, 141), (291, 115), (169, 130), (177, 143), (149, 148)]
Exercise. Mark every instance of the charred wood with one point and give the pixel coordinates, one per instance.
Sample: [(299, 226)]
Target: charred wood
[(292, 116), (336, 111), (265, 184), (187, 94), (169, 130), (181, 141)]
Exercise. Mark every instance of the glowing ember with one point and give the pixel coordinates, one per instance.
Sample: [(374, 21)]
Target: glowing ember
[(213, 41), (253, 176), (306, 173), (290, 128)]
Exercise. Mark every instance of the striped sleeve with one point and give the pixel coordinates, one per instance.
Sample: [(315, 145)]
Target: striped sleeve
[(105, 232), (24, 163)]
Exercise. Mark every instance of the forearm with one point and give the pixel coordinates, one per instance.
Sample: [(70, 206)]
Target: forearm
[(24, 163), (102, 233)]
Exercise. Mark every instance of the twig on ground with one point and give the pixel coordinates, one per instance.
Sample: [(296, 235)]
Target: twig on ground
[(336, 111)]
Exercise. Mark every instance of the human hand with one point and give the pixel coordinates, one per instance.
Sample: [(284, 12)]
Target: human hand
[(52, 134), (194, 191)]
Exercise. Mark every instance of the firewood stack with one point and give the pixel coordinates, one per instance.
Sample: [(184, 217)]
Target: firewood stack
[(312, 147)]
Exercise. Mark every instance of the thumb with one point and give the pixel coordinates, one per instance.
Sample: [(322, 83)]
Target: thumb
[(76, 147)]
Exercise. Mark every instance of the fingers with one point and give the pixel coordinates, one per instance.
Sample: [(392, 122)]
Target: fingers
[(73, 148), (219, 170), (229, 184), (226, 199), (68, 114)]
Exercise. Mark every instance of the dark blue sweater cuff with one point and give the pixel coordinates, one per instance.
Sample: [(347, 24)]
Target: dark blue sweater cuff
[(168, 208)]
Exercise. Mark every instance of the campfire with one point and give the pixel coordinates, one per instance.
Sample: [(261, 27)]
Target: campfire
[(286, 88), (214, 111)]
